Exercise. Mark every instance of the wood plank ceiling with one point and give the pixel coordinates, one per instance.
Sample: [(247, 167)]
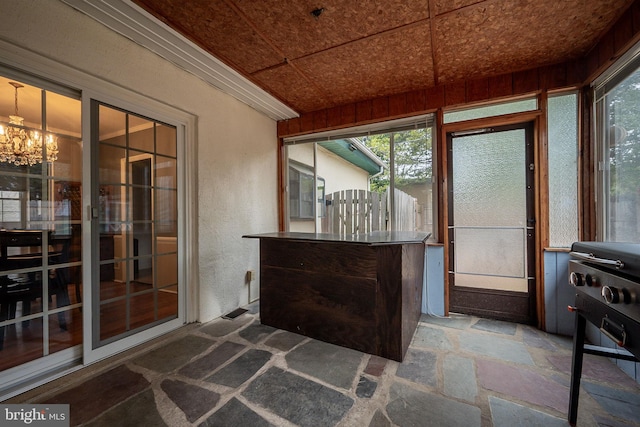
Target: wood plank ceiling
[(359, 50)]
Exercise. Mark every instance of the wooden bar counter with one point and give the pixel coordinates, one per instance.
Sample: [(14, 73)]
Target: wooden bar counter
[(358, 291)]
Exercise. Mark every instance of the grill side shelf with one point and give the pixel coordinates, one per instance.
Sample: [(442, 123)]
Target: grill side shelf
[(609, 352)]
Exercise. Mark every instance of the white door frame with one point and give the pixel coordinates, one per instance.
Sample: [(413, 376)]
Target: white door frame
[(92, 352)]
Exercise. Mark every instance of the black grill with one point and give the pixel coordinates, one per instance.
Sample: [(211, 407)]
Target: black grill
[(606, 279)]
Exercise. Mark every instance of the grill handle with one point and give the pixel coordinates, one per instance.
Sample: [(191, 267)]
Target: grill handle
[(610, 329), (600, 261)]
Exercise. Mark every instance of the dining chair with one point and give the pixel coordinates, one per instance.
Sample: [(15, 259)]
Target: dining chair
[(23, 249)]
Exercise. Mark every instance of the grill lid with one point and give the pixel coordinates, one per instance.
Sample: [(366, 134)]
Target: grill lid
[(627, 253)]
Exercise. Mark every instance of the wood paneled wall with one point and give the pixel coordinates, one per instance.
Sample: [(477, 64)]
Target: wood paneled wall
[(431, 99)]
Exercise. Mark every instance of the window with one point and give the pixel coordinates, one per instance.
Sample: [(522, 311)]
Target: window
[(618, 145), (10, 209), (562, 113), (369, 178), (301, 193), (502, 108)]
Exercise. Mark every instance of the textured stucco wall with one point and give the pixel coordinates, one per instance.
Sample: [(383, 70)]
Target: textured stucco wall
[(237, 146)]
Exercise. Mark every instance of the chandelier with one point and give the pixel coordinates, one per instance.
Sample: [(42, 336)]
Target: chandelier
[(22, 145)]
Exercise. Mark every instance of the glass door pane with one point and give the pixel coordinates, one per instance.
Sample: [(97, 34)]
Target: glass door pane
[(137, 199), (492, 223), (489, 210), (40, 223)]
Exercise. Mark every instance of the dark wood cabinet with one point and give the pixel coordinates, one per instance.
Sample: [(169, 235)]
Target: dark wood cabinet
[(362, 292)]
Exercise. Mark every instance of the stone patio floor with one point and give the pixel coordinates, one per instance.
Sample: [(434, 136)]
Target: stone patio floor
[(459, 371)]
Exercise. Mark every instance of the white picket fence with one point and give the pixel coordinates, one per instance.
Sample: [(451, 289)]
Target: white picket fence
[(361, 211)]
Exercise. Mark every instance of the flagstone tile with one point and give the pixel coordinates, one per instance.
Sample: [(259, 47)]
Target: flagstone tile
[(235, 413), (366, 388), (380, 420), (211, 361), (175, 354), (410, 407), (140, 410), (533, 338), (460, 378), (427, 337), (375, 366), (621, 403), (509, 414), (297, 399), (495, 326), (194, 401), (100, 393), (330, 363), (284, 340), (523, 384), (241, 369), (594, 367), (256, 332), (496, 347), (454, 321), (420, 367), (222, 327)]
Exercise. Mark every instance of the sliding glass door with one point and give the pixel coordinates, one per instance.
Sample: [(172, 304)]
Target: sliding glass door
[(89, 232)]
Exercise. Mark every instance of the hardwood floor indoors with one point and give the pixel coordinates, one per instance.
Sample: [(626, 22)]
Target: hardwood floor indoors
[(23, 340)]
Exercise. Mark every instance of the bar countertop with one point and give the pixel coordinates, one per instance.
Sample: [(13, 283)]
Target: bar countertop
[(374, 238)]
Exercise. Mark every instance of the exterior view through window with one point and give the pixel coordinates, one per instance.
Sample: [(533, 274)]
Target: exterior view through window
[(619, 170), (359, 184)]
